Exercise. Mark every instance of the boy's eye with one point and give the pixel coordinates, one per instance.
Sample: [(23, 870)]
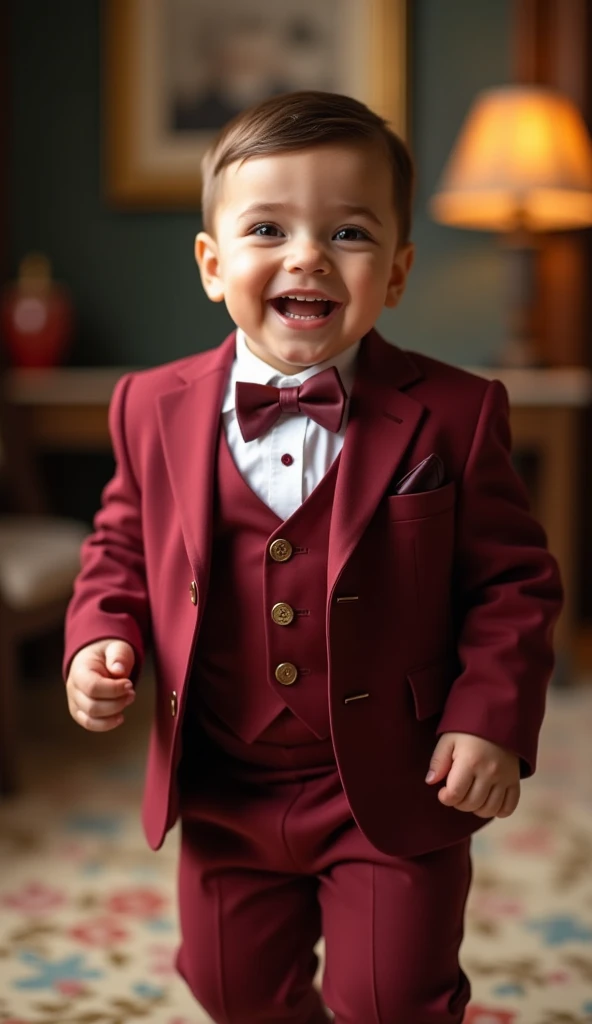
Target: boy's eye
[(350, 235), (266, 231)]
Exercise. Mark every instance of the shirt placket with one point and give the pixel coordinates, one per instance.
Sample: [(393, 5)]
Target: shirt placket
[(286, 479)]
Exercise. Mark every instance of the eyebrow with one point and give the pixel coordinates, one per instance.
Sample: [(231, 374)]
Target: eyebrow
[(361, 211), (257, 209)]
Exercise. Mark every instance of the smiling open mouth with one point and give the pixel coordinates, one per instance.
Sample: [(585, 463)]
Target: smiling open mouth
[(300, 308)]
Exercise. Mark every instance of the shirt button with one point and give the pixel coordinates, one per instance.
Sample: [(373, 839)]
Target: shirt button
[(280, 550), (282, 613), (286, 673), (287, 459)]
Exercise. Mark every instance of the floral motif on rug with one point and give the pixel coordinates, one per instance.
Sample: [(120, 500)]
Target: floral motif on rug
[(88, 923)]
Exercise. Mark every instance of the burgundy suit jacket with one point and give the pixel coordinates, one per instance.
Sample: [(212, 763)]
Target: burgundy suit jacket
[(457, 594)]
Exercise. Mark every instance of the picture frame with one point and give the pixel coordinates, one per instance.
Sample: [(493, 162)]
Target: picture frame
[(175, 70)]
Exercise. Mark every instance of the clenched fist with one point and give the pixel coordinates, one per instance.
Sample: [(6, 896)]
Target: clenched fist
[(98, 686), (480, 776)]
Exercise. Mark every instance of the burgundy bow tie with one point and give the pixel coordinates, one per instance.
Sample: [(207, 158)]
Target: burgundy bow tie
[(321, 397)]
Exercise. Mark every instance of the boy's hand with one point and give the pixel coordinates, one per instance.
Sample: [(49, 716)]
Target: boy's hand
[(482, 777), (98, 684)]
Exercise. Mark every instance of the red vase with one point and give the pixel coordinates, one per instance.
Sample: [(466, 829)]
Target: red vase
[(36, 316)]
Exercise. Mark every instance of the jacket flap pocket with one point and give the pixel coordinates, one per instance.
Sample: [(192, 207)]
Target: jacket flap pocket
[(430, 686)]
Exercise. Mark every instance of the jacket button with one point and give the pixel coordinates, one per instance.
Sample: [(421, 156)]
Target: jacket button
[(174, 704), (282, 613), (286, 673), (193, 591), (280, 550)]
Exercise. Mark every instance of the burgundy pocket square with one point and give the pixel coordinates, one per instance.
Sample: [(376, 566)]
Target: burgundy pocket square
[(426, 476)]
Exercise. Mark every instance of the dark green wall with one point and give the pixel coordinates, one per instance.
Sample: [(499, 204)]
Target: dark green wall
[(136, 286)]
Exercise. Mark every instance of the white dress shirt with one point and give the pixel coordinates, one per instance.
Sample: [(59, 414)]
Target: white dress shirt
[(284, 485)]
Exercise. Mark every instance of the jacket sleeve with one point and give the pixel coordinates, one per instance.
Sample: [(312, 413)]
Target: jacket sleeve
[(110, 597), (509, 594)]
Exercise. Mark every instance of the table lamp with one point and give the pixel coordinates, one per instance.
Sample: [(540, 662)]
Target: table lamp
[(521, 165)]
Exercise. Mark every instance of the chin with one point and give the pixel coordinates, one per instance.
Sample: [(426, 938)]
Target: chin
[(306, 356)]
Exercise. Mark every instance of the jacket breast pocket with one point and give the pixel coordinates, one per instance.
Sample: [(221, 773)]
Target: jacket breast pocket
[(421, 543), (423, 505)]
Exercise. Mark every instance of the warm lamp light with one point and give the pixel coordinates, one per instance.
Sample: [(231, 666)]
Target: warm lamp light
[(522, 164)]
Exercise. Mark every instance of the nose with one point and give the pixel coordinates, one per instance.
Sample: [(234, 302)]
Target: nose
[(306, 256)]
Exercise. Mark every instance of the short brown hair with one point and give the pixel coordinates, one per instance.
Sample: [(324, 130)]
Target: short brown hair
[(299, 120)]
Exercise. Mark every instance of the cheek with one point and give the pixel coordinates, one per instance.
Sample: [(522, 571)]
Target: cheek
[(368, 277), (245, 281), (246, 266)]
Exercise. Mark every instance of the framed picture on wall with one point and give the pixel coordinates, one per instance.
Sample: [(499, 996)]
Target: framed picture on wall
[(174, 71)]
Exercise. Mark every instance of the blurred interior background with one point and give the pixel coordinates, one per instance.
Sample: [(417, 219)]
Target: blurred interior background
[(105, 106)]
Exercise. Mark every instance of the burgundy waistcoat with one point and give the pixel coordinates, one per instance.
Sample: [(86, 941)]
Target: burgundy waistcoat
[(234, 695)]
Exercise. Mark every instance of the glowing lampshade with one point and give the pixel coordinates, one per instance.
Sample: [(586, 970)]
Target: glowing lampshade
[(523, 161)]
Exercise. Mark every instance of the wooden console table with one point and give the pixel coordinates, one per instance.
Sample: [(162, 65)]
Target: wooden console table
[(66, 410)]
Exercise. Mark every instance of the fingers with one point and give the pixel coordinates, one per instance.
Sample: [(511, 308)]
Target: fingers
[(459, 781), (500, 803), (475, 797), (96, 698), (483, 778), (104, 708), (119, 658), (484, 800), (99, 714), (97, 685), (441, 761), (490, 806), (93, 724), (97, 703), (510, 801)]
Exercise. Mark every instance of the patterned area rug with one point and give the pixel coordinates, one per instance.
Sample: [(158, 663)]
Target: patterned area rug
[(88, 923)]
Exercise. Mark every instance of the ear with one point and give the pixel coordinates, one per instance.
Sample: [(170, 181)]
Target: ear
[(402, 263), (208, 261)]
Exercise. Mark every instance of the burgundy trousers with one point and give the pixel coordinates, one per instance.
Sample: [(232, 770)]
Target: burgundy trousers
[(270, 861)]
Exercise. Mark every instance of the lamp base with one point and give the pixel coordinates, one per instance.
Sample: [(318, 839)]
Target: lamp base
[(521, 348)]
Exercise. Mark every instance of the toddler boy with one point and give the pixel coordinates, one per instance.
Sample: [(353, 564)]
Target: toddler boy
[(349, 605)]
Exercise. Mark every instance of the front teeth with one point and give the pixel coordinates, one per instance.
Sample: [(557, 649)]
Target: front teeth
[(296, 316), (304, 298)]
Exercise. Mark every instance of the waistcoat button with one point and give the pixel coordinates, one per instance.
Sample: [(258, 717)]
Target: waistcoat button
[(193, 591), (280, 550), (173, 703), (286, 673), (282, 613)]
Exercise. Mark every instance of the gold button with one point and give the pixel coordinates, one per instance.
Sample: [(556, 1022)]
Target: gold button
[(282, 613), (280, 550), (193, 591), (286, 673), (173, 704)]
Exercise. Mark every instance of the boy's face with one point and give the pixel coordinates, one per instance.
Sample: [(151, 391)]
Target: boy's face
[(316, 223)]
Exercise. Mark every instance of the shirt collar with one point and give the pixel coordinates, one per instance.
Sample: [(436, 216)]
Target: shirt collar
[(248, 367)]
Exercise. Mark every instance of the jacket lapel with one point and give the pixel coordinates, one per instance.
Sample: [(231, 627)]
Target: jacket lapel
[(189, 419), (382, 423)]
